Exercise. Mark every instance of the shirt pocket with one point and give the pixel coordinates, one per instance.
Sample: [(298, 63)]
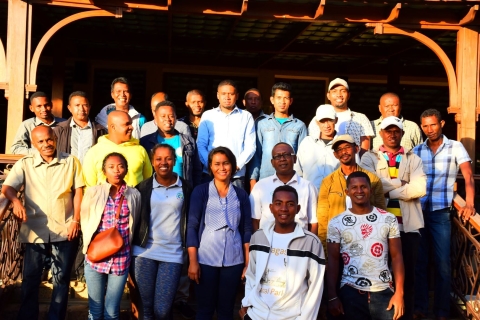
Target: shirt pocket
[(292, 137), (268, 135)]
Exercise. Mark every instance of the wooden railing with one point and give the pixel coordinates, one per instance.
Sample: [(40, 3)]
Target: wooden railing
[(465, 257)]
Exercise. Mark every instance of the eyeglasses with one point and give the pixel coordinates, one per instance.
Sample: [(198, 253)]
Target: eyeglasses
[(344, 148), (283, 156)]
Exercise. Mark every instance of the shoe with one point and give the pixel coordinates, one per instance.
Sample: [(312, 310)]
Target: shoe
[(185, 310)]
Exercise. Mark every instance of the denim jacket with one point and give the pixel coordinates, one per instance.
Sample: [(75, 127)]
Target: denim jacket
[(269, 133)]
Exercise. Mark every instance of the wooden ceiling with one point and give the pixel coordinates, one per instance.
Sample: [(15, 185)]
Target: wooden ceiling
[(303, 35)]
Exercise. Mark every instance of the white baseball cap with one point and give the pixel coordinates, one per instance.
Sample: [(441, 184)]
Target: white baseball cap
[(391, 121), (336, 82), (325, 111)]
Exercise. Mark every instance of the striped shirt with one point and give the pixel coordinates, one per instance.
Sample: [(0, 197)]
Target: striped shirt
[(393, 161), (81, 140), (119, 263), (221, 243), (441, 169)]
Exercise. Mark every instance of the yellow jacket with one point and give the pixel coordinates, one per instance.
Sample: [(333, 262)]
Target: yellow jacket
[(331, 199), (139, 166)]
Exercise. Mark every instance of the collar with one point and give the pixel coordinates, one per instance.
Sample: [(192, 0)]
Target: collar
[(445, 141), (269, 229), (235, 109), (177, 183), (294, 178), (73, 124), (38, 160), (39, 122), (400, 151), (272, 116)]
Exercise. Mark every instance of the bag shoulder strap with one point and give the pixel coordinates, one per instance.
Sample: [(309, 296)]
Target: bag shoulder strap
[(119, 208)]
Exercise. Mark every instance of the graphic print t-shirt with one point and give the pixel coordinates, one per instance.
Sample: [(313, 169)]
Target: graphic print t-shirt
[(364, 247), (274, 279)]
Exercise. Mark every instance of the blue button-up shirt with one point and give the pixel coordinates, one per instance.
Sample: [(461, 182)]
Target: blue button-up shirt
[(234, 130), (269, 133), (441, 169)]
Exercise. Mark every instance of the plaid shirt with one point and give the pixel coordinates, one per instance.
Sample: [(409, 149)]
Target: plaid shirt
[(441, 169), (410, 139), (119, 263)]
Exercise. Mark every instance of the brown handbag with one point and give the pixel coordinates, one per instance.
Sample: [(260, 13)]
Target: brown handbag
[(106, 243)]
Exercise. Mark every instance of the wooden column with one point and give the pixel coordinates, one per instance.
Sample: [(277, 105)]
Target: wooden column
[(16, 50), (58, 79), (468, 65)]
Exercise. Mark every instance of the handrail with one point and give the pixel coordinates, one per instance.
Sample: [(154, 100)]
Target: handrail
[(465, 257)]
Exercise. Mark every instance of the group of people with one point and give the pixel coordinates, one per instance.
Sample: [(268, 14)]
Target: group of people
[(228, 195)]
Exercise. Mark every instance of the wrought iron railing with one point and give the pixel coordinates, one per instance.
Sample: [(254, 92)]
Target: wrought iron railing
[(465, 255), (11, 251)]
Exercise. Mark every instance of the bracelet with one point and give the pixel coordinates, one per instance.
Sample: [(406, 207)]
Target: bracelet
[(76, 221), (330, 300)]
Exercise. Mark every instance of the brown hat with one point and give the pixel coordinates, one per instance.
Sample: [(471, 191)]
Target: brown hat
[(342, 138)]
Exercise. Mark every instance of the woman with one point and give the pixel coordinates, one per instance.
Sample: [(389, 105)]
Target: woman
[(98, 211), (160, 236), (218, 236)]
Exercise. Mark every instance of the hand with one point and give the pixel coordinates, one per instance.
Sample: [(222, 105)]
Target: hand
[(335, 307), (467, 212), (397, 302), (19, 210), (242, 312), (243, 274), (194, 271), (73, 230)]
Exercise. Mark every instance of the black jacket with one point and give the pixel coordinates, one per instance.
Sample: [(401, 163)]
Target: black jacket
[(141, 230)]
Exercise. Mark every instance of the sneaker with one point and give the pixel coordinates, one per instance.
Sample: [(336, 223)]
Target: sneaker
[(185, 310)]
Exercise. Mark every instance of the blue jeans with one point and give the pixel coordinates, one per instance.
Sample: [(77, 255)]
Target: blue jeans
[(437, 232), (62, 255), (217, 291), (104, 293), (156, 282), (364, 305)]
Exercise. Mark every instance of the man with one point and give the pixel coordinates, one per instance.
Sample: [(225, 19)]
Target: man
[(151, 126), (283, 159), (280, 126), (286, 266), (187, 165), (50, 219), (119, 139), (390, 106), (253, 104), (332, 199), (349, 122), (315, 159), (78, 134), (121, 95), (362, 238), (441, 160), (227, 126), (41, 106), (196, 106), (404, 183)]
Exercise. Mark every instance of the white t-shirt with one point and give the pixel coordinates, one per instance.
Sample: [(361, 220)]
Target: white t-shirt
[(274, 280), (261, 198), (364, 247)]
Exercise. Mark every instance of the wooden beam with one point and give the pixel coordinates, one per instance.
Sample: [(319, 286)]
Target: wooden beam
[(392, 17), (228, 12), (3, 66), (468, 51), (447, 64), (470, 16), (16, 56), (58, 80), (318, 13), (32, 73)]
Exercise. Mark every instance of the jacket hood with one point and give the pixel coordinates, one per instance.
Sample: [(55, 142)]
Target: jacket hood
[(132, 142)]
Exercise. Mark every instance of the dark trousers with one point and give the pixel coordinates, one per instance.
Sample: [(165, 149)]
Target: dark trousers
[(217, 291), (410, 244), (364, 305), (63, 254)]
